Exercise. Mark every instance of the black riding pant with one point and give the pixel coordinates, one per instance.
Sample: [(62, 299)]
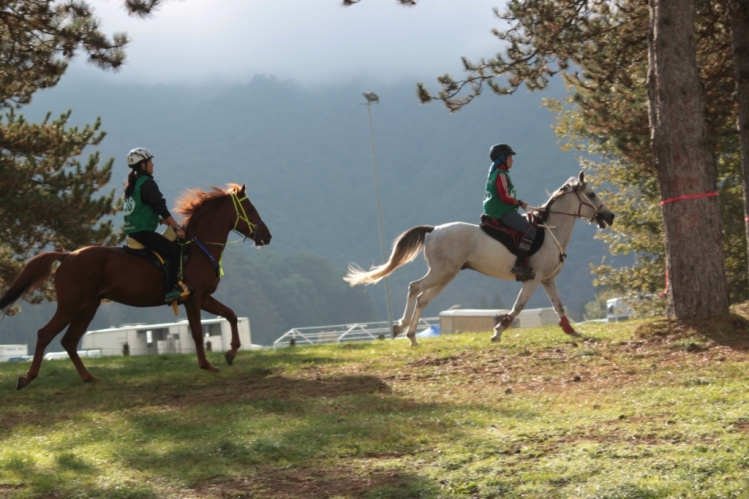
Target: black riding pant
[(166, 248)]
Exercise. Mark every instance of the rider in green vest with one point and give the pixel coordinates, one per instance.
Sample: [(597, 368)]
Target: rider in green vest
[(501, 204), (143, 205)]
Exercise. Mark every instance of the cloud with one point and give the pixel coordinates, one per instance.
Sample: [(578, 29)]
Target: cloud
[(306, 40)]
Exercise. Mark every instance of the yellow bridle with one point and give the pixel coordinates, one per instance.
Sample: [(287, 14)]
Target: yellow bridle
[(241, 213)]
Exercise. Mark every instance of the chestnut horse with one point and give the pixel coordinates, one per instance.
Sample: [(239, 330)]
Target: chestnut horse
[(87, 276)]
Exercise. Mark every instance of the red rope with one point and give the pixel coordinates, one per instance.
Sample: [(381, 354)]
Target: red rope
[(690, 196)]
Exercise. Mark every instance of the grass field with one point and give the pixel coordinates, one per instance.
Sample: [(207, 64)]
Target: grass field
[(630, 410)]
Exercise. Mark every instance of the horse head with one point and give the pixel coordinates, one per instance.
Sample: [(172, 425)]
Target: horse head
[(590, 206), (248, 222)]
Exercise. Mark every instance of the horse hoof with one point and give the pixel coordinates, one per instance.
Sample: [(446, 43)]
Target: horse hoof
[(496, 338), (212, 368), (92, 379), (21, 383), (229, 358)]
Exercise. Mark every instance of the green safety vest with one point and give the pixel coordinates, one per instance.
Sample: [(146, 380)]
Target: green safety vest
[(138, 216), (493, 205)]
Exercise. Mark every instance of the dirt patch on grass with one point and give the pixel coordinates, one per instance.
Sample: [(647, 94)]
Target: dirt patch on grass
[(305, 482), (731, 330)]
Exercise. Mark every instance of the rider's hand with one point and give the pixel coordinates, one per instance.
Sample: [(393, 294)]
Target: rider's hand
[(181, 233), (523, 205)]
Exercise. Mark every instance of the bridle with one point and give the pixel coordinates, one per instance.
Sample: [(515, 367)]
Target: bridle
[(584, 201), (242, 215)]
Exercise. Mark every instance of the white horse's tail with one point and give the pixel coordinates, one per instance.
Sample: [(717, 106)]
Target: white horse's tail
[(406, 247)]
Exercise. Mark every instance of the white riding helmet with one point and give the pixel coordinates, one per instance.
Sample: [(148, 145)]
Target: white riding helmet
[(137, 155)]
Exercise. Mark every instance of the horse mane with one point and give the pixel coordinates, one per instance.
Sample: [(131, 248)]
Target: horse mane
[(571, 185), (195, 203)]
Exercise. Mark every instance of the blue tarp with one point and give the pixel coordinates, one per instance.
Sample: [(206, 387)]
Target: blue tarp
[(429, 332)]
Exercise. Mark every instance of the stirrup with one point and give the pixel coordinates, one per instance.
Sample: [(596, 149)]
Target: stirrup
[(172, 295), (523, 273)]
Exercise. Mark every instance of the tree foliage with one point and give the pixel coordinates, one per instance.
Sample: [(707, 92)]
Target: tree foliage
[(50, 197)]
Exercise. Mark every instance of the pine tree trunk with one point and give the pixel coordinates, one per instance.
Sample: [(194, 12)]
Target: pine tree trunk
[(684, 164), (738, 13)]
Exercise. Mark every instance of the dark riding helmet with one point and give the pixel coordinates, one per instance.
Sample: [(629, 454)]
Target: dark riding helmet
[(500, 149)]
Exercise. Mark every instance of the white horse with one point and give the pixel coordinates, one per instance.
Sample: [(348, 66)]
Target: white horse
[(453, 247)]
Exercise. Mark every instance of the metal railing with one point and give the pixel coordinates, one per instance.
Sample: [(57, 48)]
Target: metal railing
[(340, 333)]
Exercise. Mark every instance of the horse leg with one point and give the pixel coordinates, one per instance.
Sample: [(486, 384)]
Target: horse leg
[(213, 306), (506, 321), (192, 308), (421, 303), (73, 335), (556, 302), (44, 336), (414, 290)]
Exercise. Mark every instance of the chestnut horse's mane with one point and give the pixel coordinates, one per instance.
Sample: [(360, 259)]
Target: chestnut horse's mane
[(194, 203)]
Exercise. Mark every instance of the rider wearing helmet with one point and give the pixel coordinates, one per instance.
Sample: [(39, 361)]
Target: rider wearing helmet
[(143, 206), (500, 203)]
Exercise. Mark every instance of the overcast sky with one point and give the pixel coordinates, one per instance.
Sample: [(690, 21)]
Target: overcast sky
[(310, 41)]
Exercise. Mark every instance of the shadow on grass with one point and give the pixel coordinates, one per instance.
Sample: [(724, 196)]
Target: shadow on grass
[(161, 417)]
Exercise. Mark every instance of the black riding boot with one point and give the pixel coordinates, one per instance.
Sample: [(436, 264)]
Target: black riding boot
[(173, 290), (521, 270)]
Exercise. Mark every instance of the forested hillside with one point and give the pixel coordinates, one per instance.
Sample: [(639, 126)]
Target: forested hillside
[(306, 158)]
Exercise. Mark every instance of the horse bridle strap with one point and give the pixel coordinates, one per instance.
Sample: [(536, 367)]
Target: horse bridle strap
[(585, 202), (242, 214)]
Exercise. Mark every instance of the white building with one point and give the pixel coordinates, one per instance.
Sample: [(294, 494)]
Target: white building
[(8, 352), (482, 320), (174, 337), (617, 309)]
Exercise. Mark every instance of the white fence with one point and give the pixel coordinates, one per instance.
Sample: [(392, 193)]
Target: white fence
[(340, 333)]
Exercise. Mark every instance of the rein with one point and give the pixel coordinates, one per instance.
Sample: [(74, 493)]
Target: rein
[(579, 214)]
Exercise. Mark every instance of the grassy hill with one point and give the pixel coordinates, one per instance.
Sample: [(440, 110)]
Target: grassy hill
[(628, 410)]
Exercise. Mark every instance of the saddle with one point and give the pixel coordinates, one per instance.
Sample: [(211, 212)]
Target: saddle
[(134, 247), (510, 237)]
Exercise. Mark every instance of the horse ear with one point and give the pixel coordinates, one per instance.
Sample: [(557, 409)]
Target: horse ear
[(581, 177), (242, 189)]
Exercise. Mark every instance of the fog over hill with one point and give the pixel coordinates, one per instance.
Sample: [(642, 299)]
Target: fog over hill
[(305, 156)]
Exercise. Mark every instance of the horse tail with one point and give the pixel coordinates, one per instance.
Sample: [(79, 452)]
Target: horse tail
[(406, 247), (33, 275)]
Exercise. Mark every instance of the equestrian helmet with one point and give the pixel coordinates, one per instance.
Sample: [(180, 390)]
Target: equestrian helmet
[(137, 155), (499, 149)]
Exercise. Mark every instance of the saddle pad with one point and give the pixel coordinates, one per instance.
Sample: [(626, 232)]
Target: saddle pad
[(169, 233), (509, 242)]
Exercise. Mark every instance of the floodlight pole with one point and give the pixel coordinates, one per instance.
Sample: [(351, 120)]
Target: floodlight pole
[(379, 208)]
